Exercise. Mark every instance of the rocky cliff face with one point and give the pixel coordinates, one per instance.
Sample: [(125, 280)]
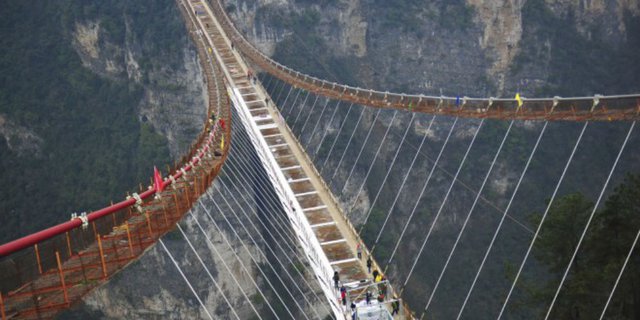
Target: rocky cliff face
[(174, 96), (21, 140), (457, 47)]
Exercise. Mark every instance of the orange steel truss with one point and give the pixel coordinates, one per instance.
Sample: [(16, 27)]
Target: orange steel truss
[(600, 108), (39, 281)]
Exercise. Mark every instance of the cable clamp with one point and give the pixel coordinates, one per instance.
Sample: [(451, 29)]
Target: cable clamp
[(173, 181), (596, 101), (85, 220), (83, 217), (138, 201), (556, 100)]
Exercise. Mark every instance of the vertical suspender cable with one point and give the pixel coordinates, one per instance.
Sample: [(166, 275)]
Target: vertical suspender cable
[(344, 152), (185, 279), (335, 140), (495, 234), (586, 227), (624, 266), (404, 180), (466, 221), (206, 269), (304, 103), (366, 139), (293, 105), (309, 117), (444, 201), (256, 243), (315, 101), (386, 176), (326, 130), (224, 237), (375, 157), (268, 230), (248, 251), (424, 187), (544, 216)]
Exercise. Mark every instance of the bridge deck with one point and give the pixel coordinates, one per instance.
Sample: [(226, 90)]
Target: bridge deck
[(336, 235)]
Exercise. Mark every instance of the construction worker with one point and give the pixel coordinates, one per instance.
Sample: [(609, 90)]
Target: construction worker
[(369, 262), (395, 305), (359, 250), (353, 311), (212, 118), (383, 286), (336, 279), (375, 275), (367, 297)]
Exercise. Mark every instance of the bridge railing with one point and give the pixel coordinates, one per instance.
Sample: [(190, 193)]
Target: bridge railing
[(607, 108), (44, 272)]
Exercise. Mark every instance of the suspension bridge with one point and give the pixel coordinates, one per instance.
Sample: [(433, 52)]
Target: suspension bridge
[(300, 215)]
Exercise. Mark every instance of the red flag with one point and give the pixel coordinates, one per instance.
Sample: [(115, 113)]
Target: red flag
[(157, 180), (222, 124)]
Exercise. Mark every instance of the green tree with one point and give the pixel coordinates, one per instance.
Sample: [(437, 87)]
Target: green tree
[(599, 259)]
